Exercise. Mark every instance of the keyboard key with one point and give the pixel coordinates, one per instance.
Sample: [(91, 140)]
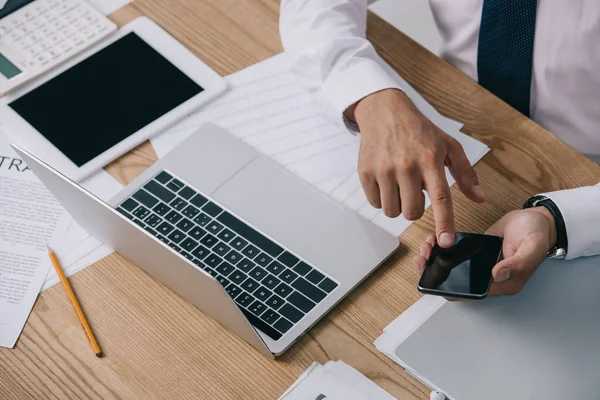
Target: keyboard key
[(244, 299), (162, 239), (163, 177), (188, 244), (190, 212), (212, 272), (250, 251), (275, 268), (328, 285), (145, 198), (225, 268), (238, 243), (125, 213), (187, 255), (250, 234), (270, 281), (197, 233), (300, 302), (213, 260), (187, 193), (226, 235), (176, 236), (201, 252), (198, 200), (258, 273), (262, 293), (199, 263), (165, 228), (315, 276), (161, 209), (159, 191), (238, 277), (175, 247), (185, 224), (302, 268), (233, 257), (129, 204), (140, 223), (245, 265), (141, 212), (257, 308), (288, 276), (291, 313), (269, 316), (209, 240), (212, 209), (283, 290), (214, 227), (263, 259), (250, 285), (175, 185), (282, 325), (153, 220), (222, 280), (173, 217), (233, 290), (309, 290), (288, 259), (178, 204), (260, 324), (202, 219), (275, 302)]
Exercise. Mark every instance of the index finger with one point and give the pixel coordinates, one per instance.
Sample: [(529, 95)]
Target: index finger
[(441, 201)]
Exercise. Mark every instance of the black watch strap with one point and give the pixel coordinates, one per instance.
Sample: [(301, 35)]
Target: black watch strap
[(561, 228)]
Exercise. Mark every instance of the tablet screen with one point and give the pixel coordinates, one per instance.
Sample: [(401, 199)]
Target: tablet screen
[(105, 98)]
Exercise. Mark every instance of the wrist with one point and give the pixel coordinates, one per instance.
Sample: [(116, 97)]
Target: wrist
[(376, 104), (552, 234)]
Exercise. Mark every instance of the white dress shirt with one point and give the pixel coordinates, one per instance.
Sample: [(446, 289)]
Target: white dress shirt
[(332, 57)]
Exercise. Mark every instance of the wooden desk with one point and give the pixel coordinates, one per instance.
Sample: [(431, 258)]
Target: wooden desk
[(160, 347)]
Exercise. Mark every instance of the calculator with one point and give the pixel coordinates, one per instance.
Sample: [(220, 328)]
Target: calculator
[(44, 33)]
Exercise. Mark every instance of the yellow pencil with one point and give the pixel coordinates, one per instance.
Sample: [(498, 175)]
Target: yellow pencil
[(75, 303)]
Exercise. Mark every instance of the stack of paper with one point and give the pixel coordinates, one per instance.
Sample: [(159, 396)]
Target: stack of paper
[(334, 381), (267, 107), (30, 219)]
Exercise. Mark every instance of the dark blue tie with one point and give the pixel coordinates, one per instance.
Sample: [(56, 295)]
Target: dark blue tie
[(505, 54)]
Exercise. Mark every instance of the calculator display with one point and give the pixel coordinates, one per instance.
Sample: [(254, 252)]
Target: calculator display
[(7, 68), (105, 98)]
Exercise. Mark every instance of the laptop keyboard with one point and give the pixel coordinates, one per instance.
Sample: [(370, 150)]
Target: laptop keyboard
[(271, 285)]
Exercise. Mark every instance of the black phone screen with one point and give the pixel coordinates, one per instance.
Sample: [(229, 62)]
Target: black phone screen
[(464, 269)]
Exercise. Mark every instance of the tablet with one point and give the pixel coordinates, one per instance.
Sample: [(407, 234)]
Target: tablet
[(108, 99)]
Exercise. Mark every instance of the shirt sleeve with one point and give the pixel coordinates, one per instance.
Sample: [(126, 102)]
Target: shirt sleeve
[(580, 209), (326, 41)]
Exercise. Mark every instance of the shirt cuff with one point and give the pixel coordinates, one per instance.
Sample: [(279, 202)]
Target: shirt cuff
[(581, 213), (356, 81)]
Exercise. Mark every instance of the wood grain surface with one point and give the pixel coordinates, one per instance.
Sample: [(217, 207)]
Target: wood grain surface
[(158, 346)]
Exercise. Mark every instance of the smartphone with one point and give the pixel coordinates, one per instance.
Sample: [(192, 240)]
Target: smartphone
[(463, 270)]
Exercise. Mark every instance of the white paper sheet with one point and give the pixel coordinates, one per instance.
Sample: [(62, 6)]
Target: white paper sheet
[(335, 381), (108, 6), (30, 218)]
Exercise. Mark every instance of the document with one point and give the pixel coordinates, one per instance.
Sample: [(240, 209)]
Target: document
[(30, 218), (267, 107), (334, 381)]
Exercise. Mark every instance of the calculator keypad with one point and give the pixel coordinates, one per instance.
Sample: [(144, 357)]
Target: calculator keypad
[(45, 33)]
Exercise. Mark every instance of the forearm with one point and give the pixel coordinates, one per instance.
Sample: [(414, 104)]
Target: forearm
[(326, 42)]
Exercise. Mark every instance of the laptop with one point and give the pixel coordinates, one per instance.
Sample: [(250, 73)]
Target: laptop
[(257, 249)]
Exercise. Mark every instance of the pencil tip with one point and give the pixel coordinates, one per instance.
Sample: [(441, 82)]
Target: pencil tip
[(99, 355), (49, 249)]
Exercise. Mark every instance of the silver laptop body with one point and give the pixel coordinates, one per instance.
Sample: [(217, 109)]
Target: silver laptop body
[(283, 250)]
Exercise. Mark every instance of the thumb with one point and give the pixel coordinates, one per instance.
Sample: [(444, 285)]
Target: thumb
[(526, 256), (463, 173)]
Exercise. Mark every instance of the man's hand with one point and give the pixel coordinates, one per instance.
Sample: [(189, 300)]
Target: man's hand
[(528, 235), (402, 153)]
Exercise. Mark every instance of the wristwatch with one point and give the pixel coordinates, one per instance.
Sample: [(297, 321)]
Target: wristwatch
[(559, 250)]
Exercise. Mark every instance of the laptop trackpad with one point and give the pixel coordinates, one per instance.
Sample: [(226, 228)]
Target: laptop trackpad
[(276, 203)]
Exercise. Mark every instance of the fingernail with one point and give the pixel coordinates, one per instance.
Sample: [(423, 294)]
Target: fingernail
[(479, 192), (445, 239), (503, 275)]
